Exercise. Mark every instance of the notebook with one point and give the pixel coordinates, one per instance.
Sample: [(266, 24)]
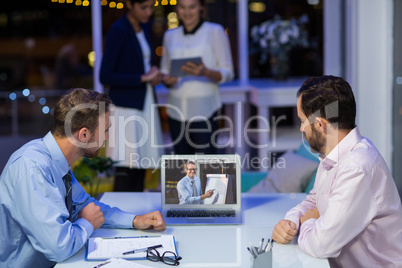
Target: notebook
[(103, 248), (218, 173)]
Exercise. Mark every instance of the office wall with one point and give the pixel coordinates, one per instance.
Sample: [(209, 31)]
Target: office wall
[(369, 60), (397, 95)]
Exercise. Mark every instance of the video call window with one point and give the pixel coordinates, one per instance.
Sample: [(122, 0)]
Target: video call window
[(213, 174)]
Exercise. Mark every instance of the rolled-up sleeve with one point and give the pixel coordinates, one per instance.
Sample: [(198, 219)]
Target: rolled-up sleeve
[(114, 217), (343, 219), (297, 212)]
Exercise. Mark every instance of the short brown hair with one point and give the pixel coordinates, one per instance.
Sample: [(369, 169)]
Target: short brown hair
[(79, 108), (318, 93)]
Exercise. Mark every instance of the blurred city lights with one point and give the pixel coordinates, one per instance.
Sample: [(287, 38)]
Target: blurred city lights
[(159, 51), (45, 109), (26, 92), (31, 98), (12, 96), (257, 7), (91, 58), (42, 101), (112, 4), (172, 20)]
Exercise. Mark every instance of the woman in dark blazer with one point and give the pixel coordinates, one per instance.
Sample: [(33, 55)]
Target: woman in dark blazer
[(126, 69)]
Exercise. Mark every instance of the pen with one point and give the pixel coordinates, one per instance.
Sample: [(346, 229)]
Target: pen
[(141, 249), (261, 244), (266, 246), (102, 264), (125, 237), (251, 252), (270, 246)]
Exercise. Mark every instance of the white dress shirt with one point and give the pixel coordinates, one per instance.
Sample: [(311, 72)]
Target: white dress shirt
[(196, 96), (360, 222)]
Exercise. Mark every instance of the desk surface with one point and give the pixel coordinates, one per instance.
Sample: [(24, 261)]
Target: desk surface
[(208, 245)]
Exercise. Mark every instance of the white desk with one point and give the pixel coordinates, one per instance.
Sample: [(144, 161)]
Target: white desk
[(209, 246), (232, 94), (266, 94)]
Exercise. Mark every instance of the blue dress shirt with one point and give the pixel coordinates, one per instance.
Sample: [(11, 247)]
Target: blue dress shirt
[(34, 230), (185, 190)]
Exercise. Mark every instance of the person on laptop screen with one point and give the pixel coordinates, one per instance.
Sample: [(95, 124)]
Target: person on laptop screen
[(189, 187)]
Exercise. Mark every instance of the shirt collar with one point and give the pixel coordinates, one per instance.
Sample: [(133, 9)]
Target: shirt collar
[(190, 179), (340, 150), (195, 29), (56, 154)]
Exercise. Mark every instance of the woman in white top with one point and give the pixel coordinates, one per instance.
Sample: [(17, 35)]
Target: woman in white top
[(194, 100)]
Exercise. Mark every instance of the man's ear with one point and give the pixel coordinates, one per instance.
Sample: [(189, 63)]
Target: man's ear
[(84, 135), (322, 124)]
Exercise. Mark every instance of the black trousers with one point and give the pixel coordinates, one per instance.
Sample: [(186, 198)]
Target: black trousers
[(196, 142), (129, 179)]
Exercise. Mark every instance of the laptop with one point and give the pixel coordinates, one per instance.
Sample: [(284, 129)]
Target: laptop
[(220, 174)]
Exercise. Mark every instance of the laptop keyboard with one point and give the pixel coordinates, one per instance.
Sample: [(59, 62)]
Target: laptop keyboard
[(201, 213)]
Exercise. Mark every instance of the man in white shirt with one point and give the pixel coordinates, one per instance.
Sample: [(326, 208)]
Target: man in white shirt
[(353, 214), (189, 187)]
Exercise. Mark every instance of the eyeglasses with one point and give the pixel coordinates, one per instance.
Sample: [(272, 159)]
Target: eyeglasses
[(192, 169), (168, 257)]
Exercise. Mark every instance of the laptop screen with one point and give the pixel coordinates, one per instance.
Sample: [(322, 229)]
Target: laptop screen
[(200, 181)]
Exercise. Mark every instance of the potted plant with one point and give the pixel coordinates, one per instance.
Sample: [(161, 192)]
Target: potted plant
[(274, 39), (90, 172)]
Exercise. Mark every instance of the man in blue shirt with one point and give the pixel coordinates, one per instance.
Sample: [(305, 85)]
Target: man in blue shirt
[(45, 214), (189, 187)]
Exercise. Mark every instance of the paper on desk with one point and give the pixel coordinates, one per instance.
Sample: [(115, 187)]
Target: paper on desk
[(122, 263), (99, 248)]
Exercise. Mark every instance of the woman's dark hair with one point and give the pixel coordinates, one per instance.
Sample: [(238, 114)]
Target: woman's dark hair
[(329, 97), (79, 108)]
